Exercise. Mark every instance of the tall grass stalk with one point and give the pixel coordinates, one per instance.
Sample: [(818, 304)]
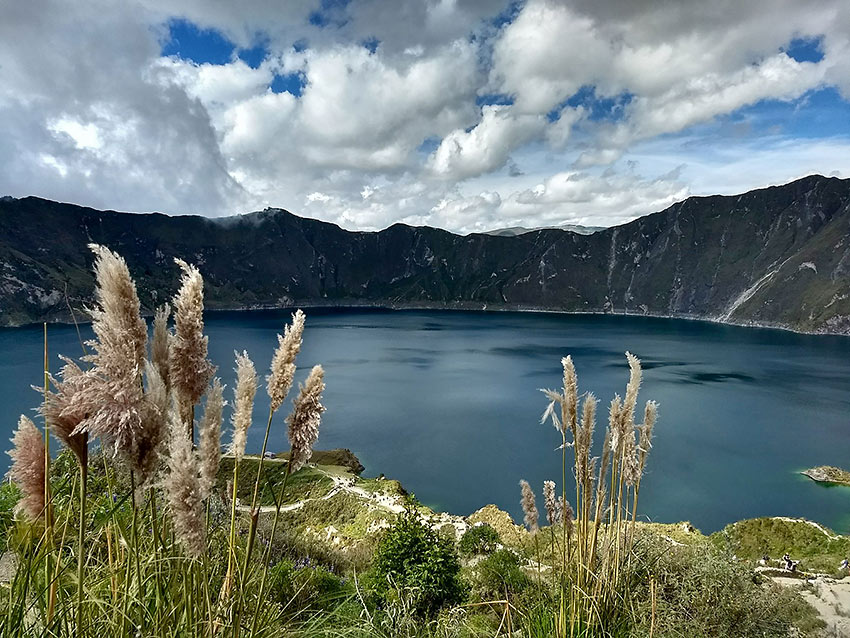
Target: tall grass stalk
[(278, 385), (109, 560), (81, 541), (48, 510), (594, 586)]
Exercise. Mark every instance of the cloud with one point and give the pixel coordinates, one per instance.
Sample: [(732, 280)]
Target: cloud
[(587, 199), (682, 64), (218, 86), (392, 120), (87, 119), (559, 132), (702, 99), (359, 108), (474, 213), (487, 146)]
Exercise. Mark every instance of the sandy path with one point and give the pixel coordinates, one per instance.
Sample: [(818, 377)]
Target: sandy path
[(831, 599)]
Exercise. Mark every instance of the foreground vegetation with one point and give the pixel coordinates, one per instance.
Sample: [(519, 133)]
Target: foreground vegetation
[(156, 533)]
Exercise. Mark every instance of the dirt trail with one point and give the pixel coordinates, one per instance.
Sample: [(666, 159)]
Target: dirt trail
[(831, 599), (387, 502)]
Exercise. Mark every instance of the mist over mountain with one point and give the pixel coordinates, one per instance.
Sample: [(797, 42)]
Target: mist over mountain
[(511, 231), (776, 256)]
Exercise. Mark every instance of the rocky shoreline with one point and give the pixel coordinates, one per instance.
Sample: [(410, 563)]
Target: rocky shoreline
[(474, 307), (828, 474)]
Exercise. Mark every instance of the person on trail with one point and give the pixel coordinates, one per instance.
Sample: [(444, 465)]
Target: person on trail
[(787, 563), (845, 564)]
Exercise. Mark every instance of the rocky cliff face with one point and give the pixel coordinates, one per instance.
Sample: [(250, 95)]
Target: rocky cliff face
[(776, 256)]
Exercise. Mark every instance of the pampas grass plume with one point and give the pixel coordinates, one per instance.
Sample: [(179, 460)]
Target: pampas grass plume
[(160, 343), (650, 415), (146, 457), (246, 389), (570, 392), (112, 396), (117, 324), (210, 437), (62, 410), (554, 505), (27, 470), (305, 418), (632, 389), (568, 515), (614, 423), (183, 490), (190, 371), (588, 424), (283, 362), (529, 507)]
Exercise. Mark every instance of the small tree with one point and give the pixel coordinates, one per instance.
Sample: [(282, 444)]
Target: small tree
[(415, 564), (479, 539)]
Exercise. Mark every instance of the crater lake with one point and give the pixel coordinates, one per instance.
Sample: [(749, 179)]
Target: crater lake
[(448, 403)]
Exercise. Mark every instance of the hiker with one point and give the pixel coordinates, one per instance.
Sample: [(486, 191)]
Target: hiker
[(787, 563), (845, 564)]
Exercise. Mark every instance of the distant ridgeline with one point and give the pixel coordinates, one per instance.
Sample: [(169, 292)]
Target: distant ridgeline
[(777, 256)]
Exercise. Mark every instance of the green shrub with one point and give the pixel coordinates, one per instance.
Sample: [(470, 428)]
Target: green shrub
[(479, 539), (303, 585), (500, 574), (700, 591), (415, 564)]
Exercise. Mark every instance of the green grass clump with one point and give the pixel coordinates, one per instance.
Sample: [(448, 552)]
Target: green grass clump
[(500, 575), (302, 586)]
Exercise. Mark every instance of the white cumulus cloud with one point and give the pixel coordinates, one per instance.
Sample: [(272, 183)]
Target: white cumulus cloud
[(469, 115)]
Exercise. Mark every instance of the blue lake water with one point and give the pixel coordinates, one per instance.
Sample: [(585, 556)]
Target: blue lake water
[(448, 403)]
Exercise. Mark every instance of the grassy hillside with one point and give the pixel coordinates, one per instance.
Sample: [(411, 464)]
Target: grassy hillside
[(685, 583)]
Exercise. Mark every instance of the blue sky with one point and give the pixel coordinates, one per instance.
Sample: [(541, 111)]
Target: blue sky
[(464, 115)]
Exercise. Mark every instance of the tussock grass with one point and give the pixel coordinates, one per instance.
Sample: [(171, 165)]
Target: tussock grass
[(159, 546)]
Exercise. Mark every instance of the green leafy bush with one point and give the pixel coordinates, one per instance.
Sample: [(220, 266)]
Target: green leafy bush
[(415, 564), (479, 539), (500, 574)]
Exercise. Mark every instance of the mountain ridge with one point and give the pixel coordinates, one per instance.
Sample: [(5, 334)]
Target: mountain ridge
[(776, 256)]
